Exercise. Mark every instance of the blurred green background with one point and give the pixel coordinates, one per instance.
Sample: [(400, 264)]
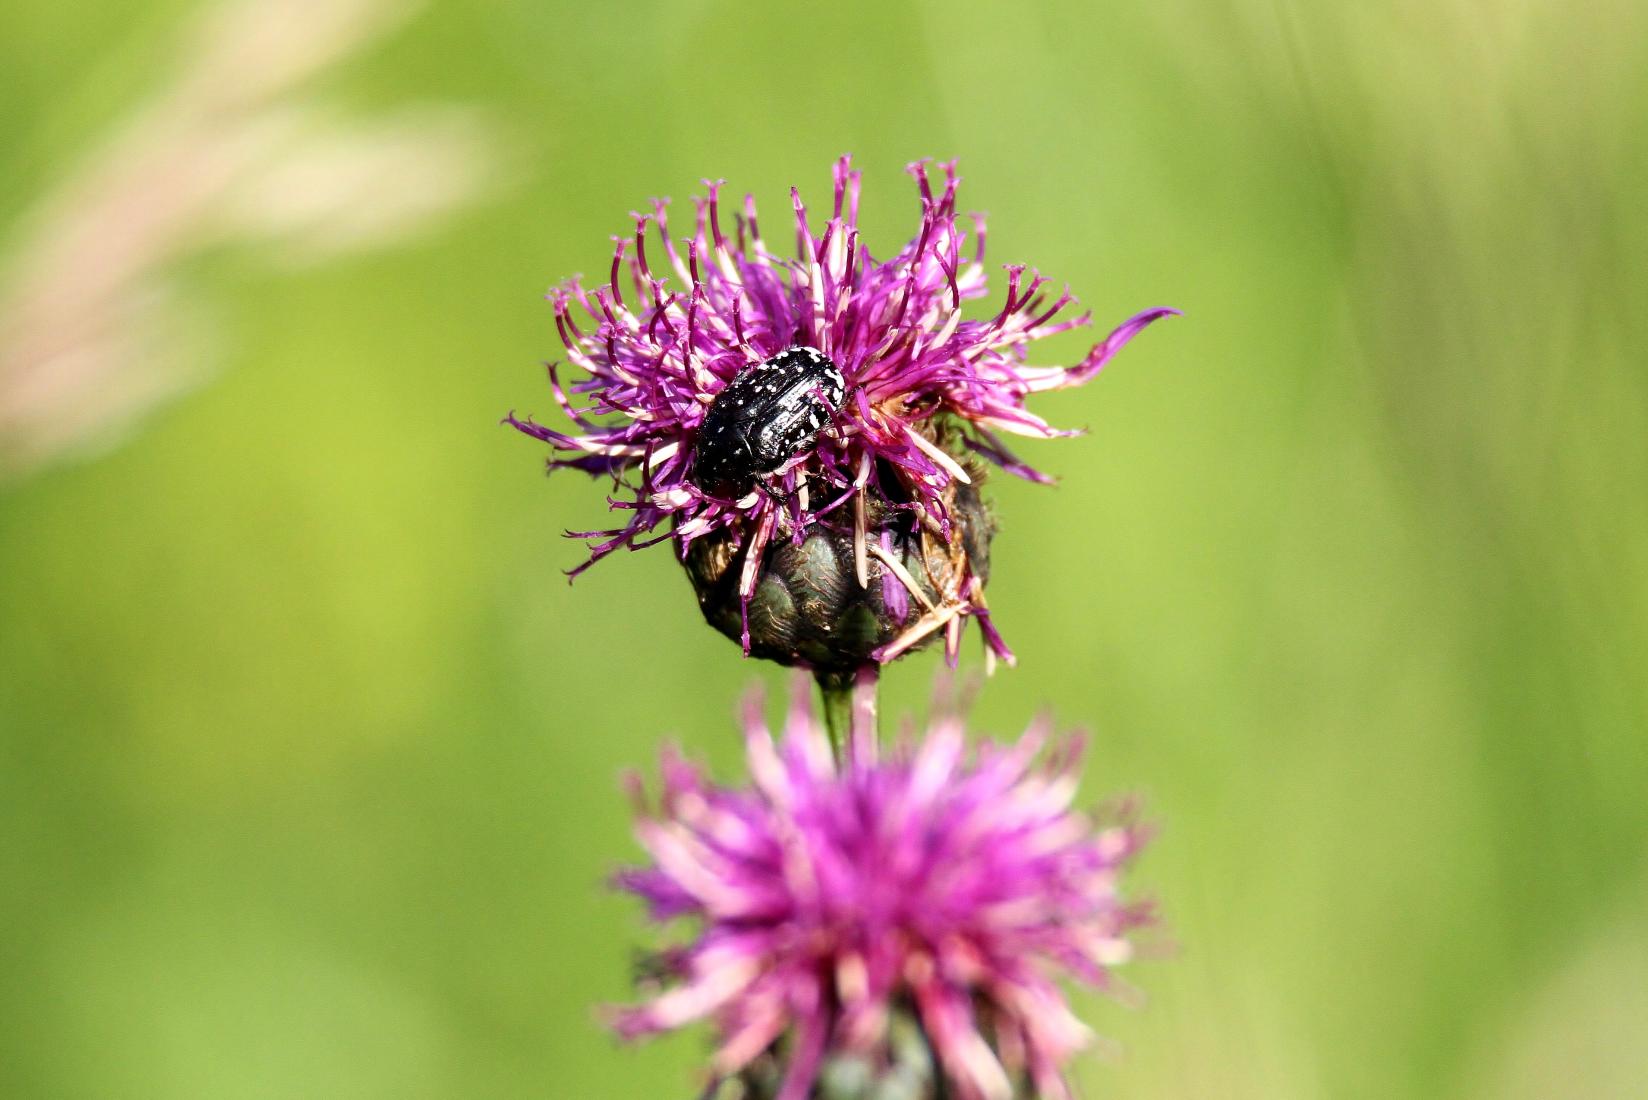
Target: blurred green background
[(308, 774)]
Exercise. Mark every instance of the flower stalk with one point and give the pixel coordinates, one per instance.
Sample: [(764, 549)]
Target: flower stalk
[(836, 694), (851, 710)]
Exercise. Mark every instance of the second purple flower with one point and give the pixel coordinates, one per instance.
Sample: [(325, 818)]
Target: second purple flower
[(901, 916)]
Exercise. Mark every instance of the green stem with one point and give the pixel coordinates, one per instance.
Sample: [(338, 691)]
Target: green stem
[(850, 697), (836, 689)]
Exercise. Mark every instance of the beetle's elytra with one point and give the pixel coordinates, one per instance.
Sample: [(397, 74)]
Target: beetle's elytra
[(764, 417)]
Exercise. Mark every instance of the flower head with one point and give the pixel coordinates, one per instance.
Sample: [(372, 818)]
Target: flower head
[(907, 385), (833, 899)]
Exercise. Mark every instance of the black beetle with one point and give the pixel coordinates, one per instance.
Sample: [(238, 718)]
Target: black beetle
[(764, 417)]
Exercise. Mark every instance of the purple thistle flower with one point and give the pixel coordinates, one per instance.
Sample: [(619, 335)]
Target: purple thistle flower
[(831, 898), (661, 342)]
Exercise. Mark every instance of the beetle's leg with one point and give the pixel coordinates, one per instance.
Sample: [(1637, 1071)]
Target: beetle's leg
[(766, 487)]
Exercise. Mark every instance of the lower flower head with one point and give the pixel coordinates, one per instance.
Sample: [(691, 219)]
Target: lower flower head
[(834, 899)]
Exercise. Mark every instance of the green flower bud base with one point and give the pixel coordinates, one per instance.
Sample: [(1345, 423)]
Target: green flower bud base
[(809, 608)]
